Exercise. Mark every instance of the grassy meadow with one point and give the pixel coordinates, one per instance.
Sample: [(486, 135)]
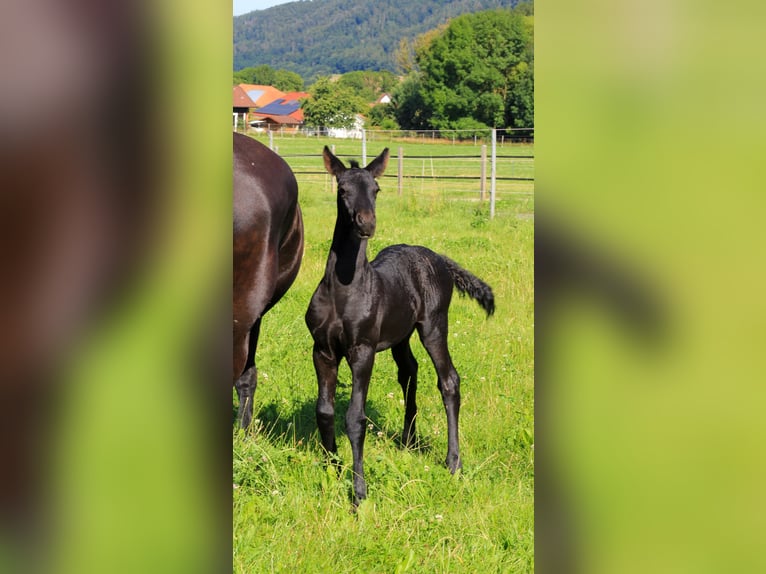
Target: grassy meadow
[(292, 513)]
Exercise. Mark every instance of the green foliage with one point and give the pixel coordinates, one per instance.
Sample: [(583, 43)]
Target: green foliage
[(410, 107), (520, 104), (383, 116), (338, 36), (526, 8), (469, 128), (480, 67), (369, 85), (287, 81), (267, 76), (331, 105)]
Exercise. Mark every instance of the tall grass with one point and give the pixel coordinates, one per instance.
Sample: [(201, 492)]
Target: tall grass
[(293, 514)]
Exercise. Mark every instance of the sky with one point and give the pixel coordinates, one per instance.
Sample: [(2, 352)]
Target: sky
[(245, 6)]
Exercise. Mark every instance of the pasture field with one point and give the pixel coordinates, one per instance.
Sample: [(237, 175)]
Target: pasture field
[(437, 169), (292, 513)]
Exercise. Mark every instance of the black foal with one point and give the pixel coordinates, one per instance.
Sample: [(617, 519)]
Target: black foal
[(362, 307)]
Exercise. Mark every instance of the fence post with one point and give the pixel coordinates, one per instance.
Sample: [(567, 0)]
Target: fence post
[(364, 147), (400, 170), (483, 185), (332, 179), (271, 140), (493, 175)]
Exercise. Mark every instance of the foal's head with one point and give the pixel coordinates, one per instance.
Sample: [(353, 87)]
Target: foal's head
[(357, 190)]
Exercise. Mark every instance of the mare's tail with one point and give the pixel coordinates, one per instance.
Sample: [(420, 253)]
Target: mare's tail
[(468, 284)]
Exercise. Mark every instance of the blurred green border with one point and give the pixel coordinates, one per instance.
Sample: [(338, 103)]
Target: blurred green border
[(649, 143), (136, 485)]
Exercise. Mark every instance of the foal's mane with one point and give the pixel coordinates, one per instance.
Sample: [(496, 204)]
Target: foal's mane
[(354, 164)]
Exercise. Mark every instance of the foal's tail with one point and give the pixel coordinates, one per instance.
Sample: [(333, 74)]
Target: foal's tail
[(468, 284)]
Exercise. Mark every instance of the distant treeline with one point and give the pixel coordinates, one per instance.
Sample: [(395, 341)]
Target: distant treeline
[(326, 37)]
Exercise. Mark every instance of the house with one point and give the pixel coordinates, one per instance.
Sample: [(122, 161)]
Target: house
[(246, 98), (241, 101), (241, 105), (354, 132), (283, 113)]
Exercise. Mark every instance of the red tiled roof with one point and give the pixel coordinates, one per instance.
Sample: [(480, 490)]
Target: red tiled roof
[(261, 95), (296, 96), (241, 99)]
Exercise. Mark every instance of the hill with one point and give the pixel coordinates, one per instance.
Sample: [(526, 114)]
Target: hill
[(324, 37)]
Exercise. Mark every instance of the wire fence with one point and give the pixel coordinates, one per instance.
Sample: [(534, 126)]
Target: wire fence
[(449, 166)]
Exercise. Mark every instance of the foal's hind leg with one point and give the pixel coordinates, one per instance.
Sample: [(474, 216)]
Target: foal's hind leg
[(435, 342), (247, 382), (408, 379)]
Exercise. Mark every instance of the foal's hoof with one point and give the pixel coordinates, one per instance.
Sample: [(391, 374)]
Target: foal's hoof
[(409, 442), (334, 463), (453, 464), (359, 492)]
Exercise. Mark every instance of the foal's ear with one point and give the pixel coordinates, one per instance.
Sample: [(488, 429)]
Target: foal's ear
[(378, 165), (332, 164)]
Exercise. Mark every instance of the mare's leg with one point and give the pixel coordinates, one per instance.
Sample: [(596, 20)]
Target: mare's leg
[(255, 273), (434, 338), (247, 382), (408, 379), (326, 367), (361, 360)]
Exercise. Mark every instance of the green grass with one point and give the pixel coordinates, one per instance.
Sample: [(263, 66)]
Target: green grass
[(293, 514)]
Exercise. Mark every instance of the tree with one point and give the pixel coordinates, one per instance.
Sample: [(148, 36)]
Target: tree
[(520, 104), (287, 81), (368, 85), (405, 54), (409, 108), (383, 116), (331, 106), (479, 68)]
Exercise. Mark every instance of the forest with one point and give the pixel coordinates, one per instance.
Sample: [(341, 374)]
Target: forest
[(325, 37)]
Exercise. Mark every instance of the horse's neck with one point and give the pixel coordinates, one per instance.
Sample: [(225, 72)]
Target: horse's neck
[(348, 256)]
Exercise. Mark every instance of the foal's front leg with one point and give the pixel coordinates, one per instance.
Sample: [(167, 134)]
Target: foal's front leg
[(361, 360), (326, 367)]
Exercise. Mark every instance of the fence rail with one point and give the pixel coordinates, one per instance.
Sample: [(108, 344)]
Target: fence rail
[(445, 169)]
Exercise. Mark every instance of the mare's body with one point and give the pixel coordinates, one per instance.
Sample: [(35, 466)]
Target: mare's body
[(268, 247)]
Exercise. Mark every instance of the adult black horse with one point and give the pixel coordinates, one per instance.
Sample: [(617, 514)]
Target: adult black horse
[(360, 308), (268, 248)]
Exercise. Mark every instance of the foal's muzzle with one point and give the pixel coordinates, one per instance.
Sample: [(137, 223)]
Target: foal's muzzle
[(364, 221)]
